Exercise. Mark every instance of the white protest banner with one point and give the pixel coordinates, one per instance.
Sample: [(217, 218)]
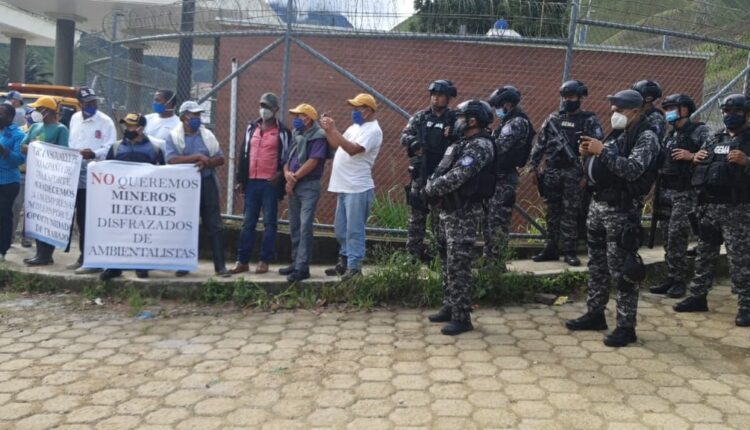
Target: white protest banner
[(140, 216), (51, 185)]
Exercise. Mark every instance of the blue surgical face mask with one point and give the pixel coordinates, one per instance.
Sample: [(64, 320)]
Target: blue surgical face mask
[(672, 116), (357, 117), (500, 113), (159, 107), (195, 123), (89, 111), (298, 124)]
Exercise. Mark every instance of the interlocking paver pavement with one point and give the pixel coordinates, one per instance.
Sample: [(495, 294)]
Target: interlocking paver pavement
[(65, 366)]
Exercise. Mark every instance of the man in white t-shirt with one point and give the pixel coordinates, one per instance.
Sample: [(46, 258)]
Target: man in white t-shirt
[(160, 123), (351, 178)]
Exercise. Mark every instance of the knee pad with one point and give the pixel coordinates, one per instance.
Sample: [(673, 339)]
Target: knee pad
[(509, 199)]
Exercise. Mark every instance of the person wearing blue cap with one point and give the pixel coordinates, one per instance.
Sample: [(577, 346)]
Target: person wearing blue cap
[(15, 99), (620, 172)]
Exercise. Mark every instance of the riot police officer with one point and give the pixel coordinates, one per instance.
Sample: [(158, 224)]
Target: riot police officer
[(426, 138), (651, 92), (512, 138), (461, 183), (561, 182), (722, 178), (675, 196), (620, 173)]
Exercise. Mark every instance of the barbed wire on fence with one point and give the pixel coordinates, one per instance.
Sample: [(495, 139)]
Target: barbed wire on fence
[(330, 49)]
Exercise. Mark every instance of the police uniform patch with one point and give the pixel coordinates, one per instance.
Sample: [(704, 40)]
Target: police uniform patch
[(507, 130), (466, 161), (723, 149)]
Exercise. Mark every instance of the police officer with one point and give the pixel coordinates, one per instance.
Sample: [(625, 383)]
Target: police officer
[(426, 137), (722, 175), (675, 194), (561, 180), (512, 138), (620, 172), (461, 183), (651, 92)]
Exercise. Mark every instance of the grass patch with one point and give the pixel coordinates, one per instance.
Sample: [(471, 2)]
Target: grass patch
[(389, 210)]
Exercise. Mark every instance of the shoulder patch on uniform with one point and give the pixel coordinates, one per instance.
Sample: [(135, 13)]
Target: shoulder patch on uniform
[(507, 130), (466, 161)]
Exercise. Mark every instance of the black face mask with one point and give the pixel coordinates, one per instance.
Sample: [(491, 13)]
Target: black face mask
[(459, 127), (571, 105), (130, 134), (734, 121)]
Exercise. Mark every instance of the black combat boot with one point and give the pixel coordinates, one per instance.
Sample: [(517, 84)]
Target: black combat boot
[(589, 321), (678, 290), (692, 252), (621, 336), (457, 327), (743, 317), (662, 288), (549, 253), (443, 315), (572, 260), (692, 304), (339, 269)]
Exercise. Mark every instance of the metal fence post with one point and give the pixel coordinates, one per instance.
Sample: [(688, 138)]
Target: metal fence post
[(287, 49), (185, 60), (571, 39), (111, 83), (232, 139), (747, 77)]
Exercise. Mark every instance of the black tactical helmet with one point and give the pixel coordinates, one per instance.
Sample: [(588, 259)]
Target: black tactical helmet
[(504, 94), (443, 86), (736, 101), (574, 88), (647, 89), (478, 109), (678, 100)]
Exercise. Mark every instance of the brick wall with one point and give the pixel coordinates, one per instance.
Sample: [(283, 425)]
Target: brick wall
[(402, 69)]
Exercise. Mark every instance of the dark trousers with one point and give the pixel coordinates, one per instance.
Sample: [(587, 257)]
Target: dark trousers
[(8, 193), (259, 195), (210, 212), (80, 220)]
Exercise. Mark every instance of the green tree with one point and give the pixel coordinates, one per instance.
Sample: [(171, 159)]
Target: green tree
[(530, 18), (36, 70)]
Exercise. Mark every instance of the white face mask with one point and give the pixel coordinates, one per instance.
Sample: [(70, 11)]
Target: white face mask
[(266, 113), (37, 116), (619, 121)]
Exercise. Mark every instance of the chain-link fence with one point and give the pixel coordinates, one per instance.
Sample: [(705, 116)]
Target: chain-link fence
[(325, 51)]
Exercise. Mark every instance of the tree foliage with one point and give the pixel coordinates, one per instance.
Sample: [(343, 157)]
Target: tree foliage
[(36, 70), (530, 18)]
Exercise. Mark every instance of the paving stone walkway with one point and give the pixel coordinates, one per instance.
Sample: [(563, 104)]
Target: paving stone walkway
[(67, 366)]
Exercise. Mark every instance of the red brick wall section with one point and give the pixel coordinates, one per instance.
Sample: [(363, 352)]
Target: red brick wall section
[(402, 69)]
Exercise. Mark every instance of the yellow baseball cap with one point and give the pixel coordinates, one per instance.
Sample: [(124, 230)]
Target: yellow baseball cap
[(44, 102), (364, 99), (134, 119), (306, 109)]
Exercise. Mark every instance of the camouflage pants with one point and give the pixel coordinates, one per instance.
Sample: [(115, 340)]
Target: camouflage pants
[(415, 240), (498, 215), (734, 223), (606, 260), (562, 195), (675, 208), (456, 236)]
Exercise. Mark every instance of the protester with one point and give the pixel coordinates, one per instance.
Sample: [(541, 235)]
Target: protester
[(303, 171), (259, 176), (135, 147), (191, 143), (10, 177), (48, 130), (31, 117), (92, 133), (160, 123), (15, 99), (351, 178)]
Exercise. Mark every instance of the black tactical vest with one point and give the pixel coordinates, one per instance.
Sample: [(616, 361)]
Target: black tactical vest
[(611, 188), (719, 181), (435, 141), (677, 174), (569, 125), (519, 155)]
